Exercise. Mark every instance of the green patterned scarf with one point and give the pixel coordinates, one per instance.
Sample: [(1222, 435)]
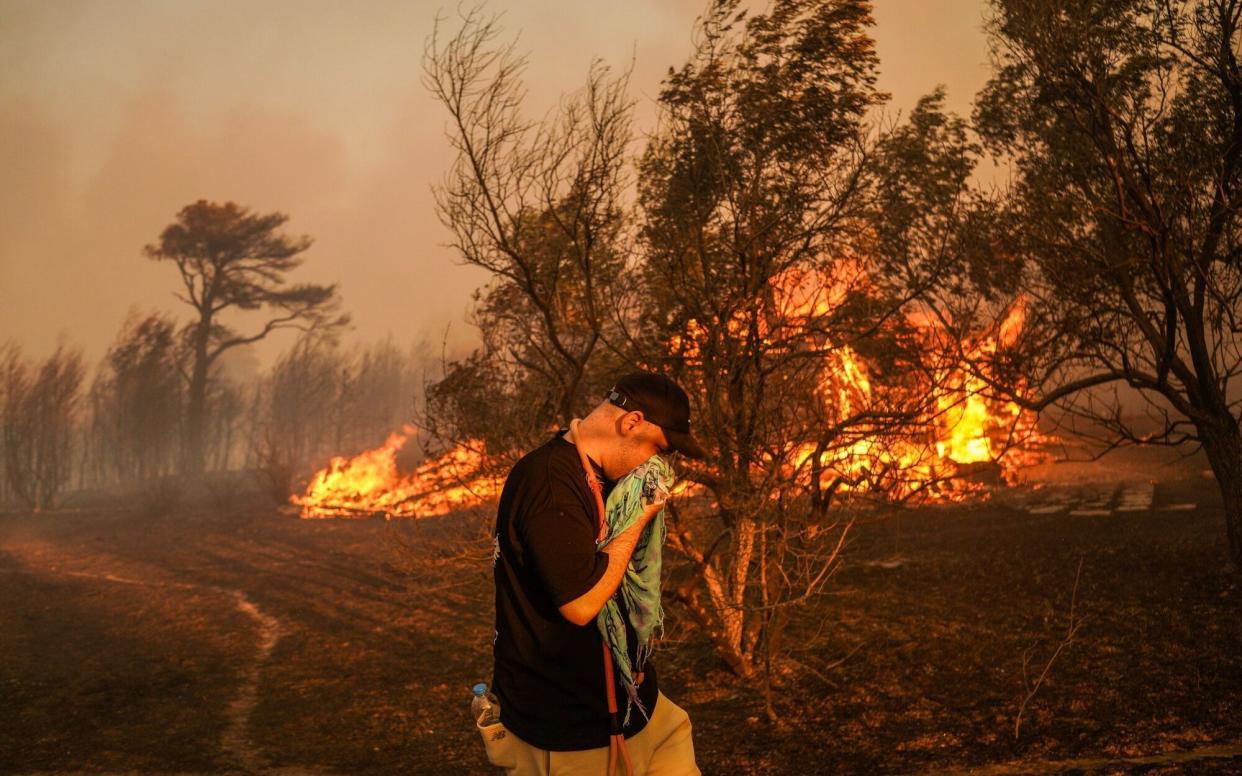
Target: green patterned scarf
[(648, 483)]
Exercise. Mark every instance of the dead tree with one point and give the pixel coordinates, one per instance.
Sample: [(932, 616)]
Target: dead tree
[(292, 424)]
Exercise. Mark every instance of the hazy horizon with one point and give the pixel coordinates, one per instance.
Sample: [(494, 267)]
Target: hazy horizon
[(113, 116)]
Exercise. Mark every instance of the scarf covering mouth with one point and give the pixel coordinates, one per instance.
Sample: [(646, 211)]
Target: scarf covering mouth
[(649, 482)]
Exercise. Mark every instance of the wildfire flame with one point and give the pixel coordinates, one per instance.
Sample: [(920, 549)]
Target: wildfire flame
[(968, 428), (370, 484)]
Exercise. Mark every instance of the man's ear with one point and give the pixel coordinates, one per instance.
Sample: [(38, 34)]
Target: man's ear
[(631, 421)]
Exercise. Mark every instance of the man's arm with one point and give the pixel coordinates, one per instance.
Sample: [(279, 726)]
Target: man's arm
[(585, 607)]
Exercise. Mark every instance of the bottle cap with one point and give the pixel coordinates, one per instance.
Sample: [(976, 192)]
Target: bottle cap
[(480, 688)]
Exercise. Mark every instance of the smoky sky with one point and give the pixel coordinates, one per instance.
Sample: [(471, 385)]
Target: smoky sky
[(114, 114)]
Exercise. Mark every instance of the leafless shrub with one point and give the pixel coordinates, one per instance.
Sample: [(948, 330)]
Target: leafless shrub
[(1071, 632), (38, 408), (161, 495), (539, 206), (135, 403), (318, 402)]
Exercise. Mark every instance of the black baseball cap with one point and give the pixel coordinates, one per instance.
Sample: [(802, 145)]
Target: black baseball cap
[(662, 402)]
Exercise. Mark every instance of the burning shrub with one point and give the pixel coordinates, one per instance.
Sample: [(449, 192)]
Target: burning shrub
[(790, 294)]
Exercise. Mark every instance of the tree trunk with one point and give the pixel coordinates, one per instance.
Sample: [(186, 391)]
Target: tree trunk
[(719, 620), (720, 623), (1222, 443), (195, 411), (1232, 494)]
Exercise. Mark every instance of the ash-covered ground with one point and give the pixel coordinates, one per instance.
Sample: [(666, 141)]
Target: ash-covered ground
[(248, 641)]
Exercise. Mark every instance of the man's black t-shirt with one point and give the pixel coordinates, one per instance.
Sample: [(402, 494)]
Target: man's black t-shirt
[(549, 673)]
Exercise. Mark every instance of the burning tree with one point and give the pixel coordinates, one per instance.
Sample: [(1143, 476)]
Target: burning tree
[(1123, 120), (927, 220), (230, 258), (768, 302), (537, 206)]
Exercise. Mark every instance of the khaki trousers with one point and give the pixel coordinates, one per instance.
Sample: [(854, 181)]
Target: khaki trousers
[(662, 748)]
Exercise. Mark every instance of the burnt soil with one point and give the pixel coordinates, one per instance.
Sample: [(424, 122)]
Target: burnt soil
[(247, 640)]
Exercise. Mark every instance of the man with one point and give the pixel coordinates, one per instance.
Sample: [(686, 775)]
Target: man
[(549, 670)]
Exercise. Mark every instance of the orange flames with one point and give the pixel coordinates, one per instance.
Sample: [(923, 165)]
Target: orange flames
[(369, 483), (968, 428)]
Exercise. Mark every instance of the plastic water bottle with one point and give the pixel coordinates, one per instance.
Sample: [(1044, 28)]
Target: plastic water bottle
[(484, 707)]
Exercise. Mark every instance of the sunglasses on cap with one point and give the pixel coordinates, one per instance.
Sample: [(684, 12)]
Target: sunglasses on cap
[(626, 403)]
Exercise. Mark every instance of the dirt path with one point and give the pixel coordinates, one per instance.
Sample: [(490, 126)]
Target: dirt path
[(235, 741), (235, 644)]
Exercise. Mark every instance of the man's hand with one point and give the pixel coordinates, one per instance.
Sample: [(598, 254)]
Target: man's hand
[(585, 607)]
